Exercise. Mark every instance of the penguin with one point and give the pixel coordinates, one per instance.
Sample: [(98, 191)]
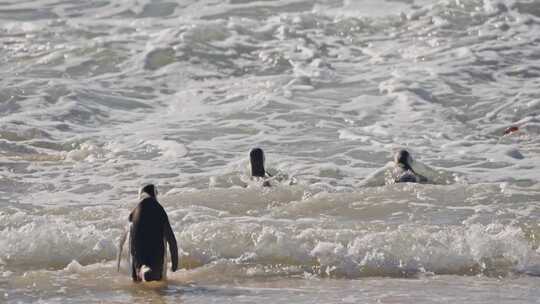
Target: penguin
[(149, 233), (404, 173), (256, 159)]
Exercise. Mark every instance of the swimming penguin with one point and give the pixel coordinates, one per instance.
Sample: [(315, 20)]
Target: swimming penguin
[(256, 158), (404, 172), (149, 232)]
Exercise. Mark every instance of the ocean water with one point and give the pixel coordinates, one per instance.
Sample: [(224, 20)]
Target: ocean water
[(100, 97)]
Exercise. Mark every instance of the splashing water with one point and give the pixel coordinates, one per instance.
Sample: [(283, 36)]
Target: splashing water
[(100, 97)]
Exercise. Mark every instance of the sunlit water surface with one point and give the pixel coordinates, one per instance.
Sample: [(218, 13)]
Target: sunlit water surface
[(99, 97)]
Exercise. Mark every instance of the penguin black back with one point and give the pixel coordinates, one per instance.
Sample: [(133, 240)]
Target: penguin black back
[(256, 158)]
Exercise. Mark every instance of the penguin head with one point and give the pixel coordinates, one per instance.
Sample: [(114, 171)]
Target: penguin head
[(149, 190), (403, 158), (256, 158)]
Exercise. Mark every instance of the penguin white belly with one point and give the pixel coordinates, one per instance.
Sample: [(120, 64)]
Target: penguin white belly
[(164, 271), (121, 243)]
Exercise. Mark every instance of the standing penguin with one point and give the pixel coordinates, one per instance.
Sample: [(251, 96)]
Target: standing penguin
[(149, 232)]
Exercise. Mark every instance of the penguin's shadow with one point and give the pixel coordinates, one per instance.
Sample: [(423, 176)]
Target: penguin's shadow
[(194, 289), (163, 292)]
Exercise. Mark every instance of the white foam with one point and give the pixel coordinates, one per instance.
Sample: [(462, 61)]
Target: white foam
[(101, 98), (169, 149)]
